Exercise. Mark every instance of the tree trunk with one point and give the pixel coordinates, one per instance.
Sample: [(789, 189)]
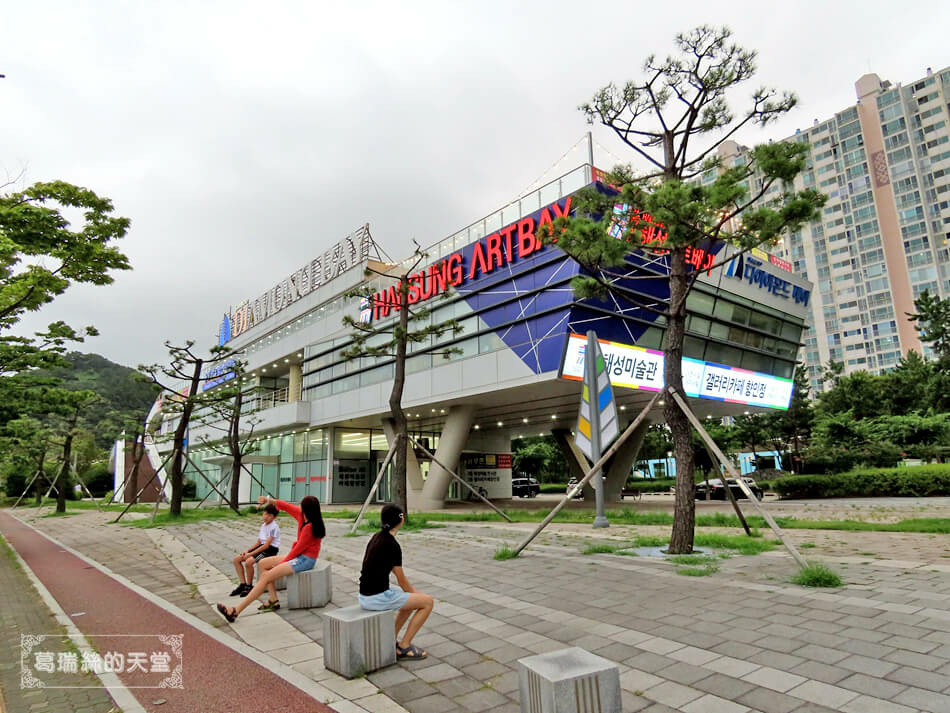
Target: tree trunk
[(62, 478), (400, 425), (39, 484), (181, 432), (684, 509), (234, 444)]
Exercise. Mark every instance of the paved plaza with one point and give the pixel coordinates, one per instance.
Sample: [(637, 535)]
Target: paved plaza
[(742, 639)]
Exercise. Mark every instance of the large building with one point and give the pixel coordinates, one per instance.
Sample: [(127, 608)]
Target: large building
[(884, 163), (323, 420)]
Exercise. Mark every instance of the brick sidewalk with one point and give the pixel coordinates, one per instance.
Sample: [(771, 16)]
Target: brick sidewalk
[(23, 612), (740, 641)]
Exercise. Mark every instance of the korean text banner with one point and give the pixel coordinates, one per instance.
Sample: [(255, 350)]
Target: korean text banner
[(638, 368)]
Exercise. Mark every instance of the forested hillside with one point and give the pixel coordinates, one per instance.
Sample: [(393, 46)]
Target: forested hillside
[(121, 394)]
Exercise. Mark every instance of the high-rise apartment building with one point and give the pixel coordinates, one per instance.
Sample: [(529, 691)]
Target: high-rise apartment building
[(884, 236)]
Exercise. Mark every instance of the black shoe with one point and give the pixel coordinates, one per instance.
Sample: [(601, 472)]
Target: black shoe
[(248, 588), (239, 591)]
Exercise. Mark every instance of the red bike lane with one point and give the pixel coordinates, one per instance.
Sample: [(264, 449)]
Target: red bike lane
[(215, 678)]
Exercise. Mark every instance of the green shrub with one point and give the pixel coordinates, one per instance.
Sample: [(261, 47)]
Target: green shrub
[(599, 549), (504, 552), (817, 574), (919, 481), (658, 485), (554, 488)]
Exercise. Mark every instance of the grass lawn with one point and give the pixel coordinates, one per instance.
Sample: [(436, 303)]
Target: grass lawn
[(932, 525)]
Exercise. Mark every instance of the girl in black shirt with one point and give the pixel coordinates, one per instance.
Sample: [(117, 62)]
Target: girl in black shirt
[(383, 555)]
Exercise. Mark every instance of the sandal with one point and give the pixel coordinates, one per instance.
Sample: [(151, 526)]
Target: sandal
[(269, 606), (410, 652), (231, 616)]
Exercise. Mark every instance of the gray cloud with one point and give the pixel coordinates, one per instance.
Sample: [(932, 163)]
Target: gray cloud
[(242, 140)]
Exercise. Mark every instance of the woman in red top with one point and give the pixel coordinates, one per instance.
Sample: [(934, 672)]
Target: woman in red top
[(302, 557)]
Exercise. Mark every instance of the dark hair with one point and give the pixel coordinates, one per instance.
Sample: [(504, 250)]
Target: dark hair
[(271, 509), (389, 517), (310, 507)]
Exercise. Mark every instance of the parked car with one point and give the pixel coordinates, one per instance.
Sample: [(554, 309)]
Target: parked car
[(524, 487), (717, 491), (570, 485)]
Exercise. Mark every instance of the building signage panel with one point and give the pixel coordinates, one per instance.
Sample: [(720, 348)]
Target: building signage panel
[(513, 243), (490, 472), (218, 374), (347, 253), (638, 368)]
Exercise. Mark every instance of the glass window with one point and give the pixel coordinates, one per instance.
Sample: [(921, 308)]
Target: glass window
[(693, 347), (489, 342), (699, 302), (765, 323), (317, 447), (792, 332), (757, 362), (378, 441), (300, 446), (721, 354), (349, 443), (697, 325), (420, 362), (468, 347), (719, 331), (377, 375), (651, 339)]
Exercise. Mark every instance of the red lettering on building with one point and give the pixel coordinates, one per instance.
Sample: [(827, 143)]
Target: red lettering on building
[(493, 252), (478, 261), (516, 241), (454, 269), (527, 241), (507, 231)]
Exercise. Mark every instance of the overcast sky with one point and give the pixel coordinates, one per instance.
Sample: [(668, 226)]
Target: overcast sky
[(242, 139)]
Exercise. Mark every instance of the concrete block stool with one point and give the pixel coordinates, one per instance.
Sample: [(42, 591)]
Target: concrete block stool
[(356, 641), (313, 588), (569, 681), (281, 584)]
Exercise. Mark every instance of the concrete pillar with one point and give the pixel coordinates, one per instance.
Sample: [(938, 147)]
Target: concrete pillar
[(577, 462), (413, 472), (294, 384), (619, 467), (458, 423)]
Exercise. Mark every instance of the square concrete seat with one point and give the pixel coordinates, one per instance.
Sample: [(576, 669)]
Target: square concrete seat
[(313, 588), (569, 681), (281, 584), (357, 641)]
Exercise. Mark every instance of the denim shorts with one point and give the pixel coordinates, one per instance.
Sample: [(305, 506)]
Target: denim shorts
[(390, 600), (301, 563)]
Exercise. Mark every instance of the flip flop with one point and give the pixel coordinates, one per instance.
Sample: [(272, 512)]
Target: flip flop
[(269, 606), (410, 653), (230, 616)]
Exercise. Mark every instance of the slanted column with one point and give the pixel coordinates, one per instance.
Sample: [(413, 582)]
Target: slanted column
[(576, 461), (458, 423), (620, 466)]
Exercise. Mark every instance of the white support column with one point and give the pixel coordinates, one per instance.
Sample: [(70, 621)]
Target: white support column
[(118, 472), (458, 423), (295, 379)]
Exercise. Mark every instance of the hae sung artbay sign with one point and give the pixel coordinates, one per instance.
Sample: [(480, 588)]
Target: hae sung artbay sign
[(638, 368), (347, 253)]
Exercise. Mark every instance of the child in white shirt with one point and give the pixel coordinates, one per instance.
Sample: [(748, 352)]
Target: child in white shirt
[(267, 545)]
